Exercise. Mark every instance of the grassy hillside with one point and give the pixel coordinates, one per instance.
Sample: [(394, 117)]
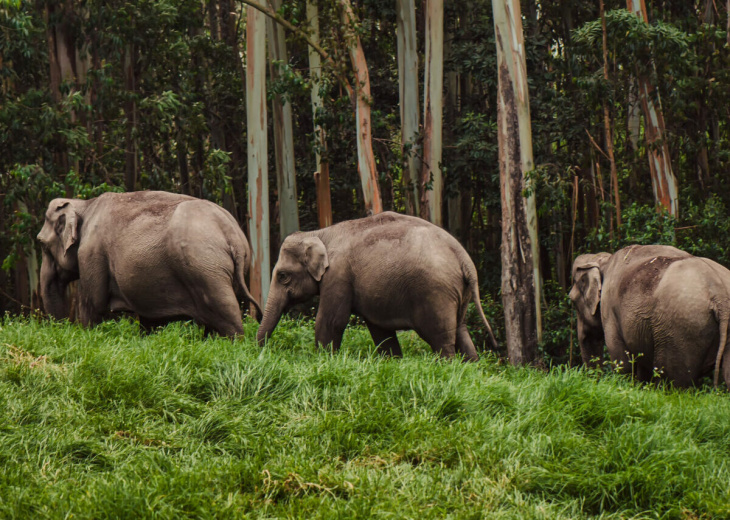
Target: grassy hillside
[(110, 423)]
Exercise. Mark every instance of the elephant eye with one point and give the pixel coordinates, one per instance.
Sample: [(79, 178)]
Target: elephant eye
[(282, 277)]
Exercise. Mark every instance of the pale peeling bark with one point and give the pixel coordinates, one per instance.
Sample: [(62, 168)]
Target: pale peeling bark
[(433, 114), (409, 106), (322, 175), (286, 182), (258, 182), (521, 281), (663, 180), (365, 156)]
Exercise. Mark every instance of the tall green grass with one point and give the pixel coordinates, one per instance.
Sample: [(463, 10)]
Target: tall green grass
[(110, 423)]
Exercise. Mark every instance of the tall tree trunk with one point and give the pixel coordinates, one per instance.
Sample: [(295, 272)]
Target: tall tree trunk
[(365, 156), (521, 282), (286, 180), (182, 158), (322, 175), (130, 112), (608, 131), (408, 90), (433, 82), (663, 181), (452, 100), (258, 178)]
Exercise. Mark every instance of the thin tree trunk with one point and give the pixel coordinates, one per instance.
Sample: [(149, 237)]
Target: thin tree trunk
[(286, 181), (322, 175), (634, 117), (130, 112), (663, 181), (258, 179), (607, 122), (433, 82), (365, 156), (408, 90), (520, 249), (452, 100), (182, 159)]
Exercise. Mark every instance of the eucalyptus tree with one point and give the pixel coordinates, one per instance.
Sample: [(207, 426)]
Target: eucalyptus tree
[(521, 278), (258, 176), (283, 134), (431, 182)]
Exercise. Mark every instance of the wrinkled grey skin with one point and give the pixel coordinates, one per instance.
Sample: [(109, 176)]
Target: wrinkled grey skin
[(161, 255), (656, 305), (396, 272)]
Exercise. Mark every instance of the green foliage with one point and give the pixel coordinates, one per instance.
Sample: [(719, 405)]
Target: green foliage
[(106, 422), (183, 123)]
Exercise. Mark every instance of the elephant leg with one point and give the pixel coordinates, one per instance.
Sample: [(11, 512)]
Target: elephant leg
[(464, 344), (386, 341), (93, 296), (439, 329), (618, 351), (332, 317), (222, 314)]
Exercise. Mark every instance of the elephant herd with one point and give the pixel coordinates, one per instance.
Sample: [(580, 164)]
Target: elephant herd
[(658, 310)]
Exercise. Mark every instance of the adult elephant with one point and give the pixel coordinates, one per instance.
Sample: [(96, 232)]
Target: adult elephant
[(659, 309), (396, 272), (161, 255)]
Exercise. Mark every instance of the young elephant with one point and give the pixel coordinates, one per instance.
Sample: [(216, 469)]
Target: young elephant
[(160, 255), (396, 272), (659, 309)]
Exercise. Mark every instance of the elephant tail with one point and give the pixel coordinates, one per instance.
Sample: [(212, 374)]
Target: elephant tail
[(472, 281), (240, 266), (722, 313)]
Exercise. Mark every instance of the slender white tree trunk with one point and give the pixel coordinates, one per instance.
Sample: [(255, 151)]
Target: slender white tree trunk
[(321, 176), (258, 179), (521, 281), (663, 180), (286, 179), (365, 155), (409, 100), (433, 103)]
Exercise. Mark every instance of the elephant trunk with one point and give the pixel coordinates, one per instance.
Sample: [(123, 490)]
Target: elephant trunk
[(272, 314), (591, 341), (53, 289)]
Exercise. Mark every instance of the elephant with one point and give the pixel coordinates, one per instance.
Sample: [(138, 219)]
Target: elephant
[(397, 272), (160, 255), (660, 310)]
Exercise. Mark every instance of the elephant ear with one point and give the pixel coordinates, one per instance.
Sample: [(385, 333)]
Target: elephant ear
[(71, 227), (588, 283), (592, 293), (315, 257)]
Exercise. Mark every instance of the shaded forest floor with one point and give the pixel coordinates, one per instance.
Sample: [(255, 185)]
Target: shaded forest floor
[(110, 423)]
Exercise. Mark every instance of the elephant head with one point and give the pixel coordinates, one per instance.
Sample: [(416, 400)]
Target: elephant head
[(586, 297), (59, 240), (302, 263)]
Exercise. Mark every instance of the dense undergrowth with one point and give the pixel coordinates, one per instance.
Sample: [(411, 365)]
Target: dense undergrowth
[(108, 423)]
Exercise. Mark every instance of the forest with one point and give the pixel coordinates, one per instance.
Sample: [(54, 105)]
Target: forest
[(622, 133)]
